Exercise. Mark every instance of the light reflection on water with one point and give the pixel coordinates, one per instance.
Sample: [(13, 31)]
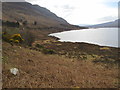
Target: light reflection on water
[(101, 36)]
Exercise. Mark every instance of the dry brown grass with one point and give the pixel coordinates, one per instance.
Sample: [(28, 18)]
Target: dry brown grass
[(52, 71)]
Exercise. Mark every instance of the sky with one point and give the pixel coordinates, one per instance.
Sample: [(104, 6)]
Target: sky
[(80, 12)]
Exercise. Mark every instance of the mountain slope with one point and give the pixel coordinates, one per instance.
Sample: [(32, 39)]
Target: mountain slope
[(108, 24), (16, 11)]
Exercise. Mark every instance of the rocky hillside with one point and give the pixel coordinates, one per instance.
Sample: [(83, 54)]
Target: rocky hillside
[(24, 11)]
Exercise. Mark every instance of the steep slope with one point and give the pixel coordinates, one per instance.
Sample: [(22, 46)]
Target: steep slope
[(17, 11), (108, 24)]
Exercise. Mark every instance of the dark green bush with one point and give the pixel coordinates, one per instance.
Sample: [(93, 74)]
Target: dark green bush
[(10, 24), (39, 46), (25, 23), (6, 37), (48, 51)]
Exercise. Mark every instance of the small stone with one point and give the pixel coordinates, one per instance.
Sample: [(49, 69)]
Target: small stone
[(14, 71)]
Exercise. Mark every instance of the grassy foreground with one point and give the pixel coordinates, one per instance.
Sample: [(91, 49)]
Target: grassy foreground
[(37, 70), (72, 65)]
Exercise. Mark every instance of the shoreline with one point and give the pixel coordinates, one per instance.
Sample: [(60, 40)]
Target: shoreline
[(57, 38), (81, 50)]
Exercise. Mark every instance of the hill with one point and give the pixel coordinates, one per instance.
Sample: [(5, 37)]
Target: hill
[(108, 24), (24, 11)]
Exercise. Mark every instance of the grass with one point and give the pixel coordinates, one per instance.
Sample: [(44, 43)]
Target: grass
[(5, 59), (103, 60), (45, 50), (56, 64), (38, 70)]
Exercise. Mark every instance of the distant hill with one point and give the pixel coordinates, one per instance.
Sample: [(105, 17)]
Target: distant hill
[(106, 25), (24, 11)]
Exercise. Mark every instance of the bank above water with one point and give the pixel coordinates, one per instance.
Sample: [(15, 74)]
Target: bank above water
[(99, 36)]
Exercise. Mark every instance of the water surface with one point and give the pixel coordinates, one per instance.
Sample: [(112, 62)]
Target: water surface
[(101, 36)]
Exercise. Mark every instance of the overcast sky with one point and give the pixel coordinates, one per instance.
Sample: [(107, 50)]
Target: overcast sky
[(82, 11)]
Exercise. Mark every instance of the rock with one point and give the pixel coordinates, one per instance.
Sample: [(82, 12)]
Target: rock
[(14, 71)]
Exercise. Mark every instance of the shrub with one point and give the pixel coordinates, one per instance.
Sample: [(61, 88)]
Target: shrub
[(39, 46), (48, 51), (6, 37), (16, 38), (25, 23), (10, 24), (16, 41), (11, 40), (29, 38)]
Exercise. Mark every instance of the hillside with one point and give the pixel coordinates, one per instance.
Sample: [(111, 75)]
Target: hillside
[(38, 70), (108, 24), (24, 11)]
